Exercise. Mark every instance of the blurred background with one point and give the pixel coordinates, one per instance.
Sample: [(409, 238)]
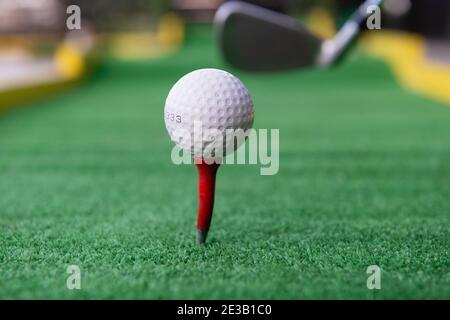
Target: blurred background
[(36, 46)]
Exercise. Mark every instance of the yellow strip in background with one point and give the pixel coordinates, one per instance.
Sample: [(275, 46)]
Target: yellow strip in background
[(72, 65), (19, 96), (321, 22), (168, 38), (406, 54)]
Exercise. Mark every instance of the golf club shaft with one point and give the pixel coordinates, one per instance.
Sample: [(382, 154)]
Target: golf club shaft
[(333, 50)]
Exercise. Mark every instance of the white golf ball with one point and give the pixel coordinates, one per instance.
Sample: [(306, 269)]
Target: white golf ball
[(207, 99)]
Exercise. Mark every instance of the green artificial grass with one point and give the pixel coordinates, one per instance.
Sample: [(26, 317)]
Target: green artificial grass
[(86, 179)]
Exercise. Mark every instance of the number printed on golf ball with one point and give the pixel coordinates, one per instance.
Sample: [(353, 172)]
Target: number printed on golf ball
[(210, 99), (173, 117)]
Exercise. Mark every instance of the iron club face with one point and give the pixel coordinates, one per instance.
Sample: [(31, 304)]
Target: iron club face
[(257, 39)]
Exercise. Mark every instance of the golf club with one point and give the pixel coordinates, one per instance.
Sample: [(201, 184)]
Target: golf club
[(257, 39)]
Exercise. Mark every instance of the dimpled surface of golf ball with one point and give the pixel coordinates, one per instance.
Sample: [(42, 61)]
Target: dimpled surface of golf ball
[(210, 99)]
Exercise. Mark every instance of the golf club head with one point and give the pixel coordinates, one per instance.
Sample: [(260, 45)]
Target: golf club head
[(256, 39), (333, 51)]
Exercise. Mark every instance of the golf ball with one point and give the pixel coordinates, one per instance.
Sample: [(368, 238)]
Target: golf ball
[(207, 99)]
